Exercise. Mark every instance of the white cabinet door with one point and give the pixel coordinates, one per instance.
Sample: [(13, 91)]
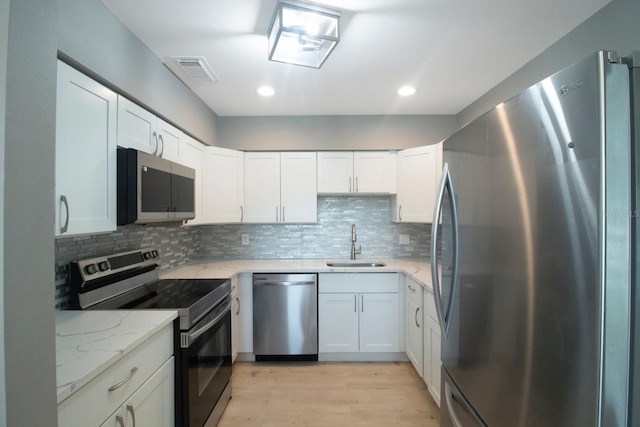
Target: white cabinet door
[(419, 172), (223, 185), (432, 361), (335, 172), (169, 139), (338, 328), (379, 323), (235, 316), (136, 127), (85, 155), (144, 131), (152, 405), (262, 187), (191, 154), (298, 189), (372, 172), (414, 325), (245, 313)]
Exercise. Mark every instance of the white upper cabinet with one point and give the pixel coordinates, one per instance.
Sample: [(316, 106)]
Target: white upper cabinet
[(191, 155), (223, 186), (85, 155), (419, 171), (280, 187), (142, 130), (358, 172)]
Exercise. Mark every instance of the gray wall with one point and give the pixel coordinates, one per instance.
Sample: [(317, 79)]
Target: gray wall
[(93, 37), (614, 27), (29, 136), (333, 132)]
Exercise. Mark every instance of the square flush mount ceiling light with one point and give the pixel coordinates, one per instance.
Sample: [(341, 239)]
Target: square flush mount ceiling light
[(303, 34)]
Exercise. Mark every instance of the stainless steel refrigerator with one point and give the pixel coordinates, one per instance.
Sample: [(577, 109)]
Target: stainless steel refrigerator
[(535, 240)]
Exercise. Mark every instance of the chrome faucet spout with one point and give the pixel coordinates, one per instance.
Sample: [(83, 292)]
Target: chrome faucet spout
[(354, 251)]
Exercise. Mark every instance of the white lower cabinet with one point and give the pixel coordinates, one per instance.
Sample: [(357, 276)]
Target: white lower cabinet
[(414, 323), (432, 360), (358, 312), (244, 314), (151, 405), (140, 385)]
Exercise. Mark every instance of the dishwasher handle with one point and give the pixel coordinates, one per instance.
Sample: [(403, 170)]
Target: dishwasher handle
[(267, 282)]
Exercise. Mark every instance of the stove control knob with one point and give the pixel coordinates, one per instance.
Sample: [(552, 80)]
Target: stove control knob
[(155, 254), (91, 269), (147, 255), (103, 266)]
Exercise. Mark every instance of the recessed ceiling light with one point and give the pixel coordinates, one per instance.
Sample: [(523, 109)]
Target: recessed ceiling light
[(406, 91), (266, 91)]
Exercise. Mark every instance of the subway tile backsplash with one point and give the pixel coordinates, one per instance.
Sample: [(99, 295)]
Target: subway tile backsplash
[(330, 238)]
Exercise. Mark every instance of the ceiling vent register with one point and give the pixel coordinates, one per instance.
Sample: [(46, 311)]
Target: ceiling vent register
[(197, 69)]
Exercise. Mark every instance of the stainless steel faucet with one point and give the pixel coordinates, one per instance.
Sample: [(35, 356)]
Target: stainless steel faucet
[(354, 251)]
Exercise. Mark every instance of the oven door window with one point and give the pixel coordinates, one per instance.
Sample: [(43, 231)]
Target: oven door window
[(209, 369)]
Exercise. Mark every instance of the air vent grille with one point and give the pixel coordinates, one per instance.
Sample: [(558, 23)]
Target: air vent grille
[(197, 69)]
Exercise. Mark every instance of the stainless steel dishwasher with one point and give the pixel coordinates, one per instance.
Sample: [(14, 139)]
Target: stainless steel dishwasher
[(285, 316)]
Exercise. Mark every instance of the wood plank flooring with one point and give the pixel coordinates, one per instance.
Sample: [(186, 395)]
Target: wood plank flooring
[(328, 394)]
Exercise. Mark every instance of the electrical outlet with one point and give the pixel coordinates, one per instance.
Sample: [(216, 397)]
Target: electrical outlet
[(404, 239), (245, 239)]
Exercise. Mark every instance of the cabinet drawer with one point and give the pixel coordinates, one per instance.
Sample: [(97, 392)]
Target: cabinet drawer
[(413, 291), (430, 305), (94, 403), (358, 283)]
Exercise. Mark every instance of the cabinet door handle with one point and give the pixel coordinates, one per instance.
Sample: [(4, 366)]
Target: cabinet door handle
[(238, 301), (417, 310), (120, 420), (355, 303), (133, 413), (277, 214), (124, 381), (162, 141), (283, 220), (362, 303), (65, 226), (155, 139), (400, 213), (411, 289), (241, 213), (357, 184), (349, 184)]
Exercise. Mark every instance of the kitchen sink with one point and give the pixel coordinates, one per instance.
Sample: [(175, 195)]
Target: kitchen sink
[(355, 264)]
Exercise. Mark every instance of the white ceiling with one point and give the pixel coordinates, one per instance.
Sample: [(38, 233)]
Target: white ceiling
[(452, 51)]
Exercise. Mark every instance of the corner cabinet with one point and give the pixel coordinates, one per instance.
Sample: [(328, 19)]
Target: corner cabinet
[(280, 187), (359, 172), (223, 185), (85, 155), (358, 312), (140, 129), (419, 171)]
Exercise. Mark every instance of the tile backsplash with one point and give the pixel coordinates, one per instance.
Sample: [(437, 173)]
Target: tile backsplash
[(330, 238)]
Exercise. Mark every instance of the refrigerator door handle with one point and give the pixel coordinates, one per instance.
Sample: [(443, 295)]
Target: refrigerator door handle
[(454, 401), (444, 315)]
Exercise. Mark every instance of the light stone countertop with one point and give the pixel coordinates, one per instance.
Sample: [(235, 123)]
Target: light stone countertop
[(419, 270), (88, 342)]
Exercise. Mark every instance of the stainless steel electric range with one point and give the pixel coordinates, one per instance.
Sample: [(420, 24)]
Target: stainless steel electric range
[(130, 280)]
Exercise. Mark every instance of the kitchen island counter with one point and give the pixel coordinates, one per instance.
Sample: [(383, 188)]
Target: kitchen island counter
[(419, 270), (88, 342)]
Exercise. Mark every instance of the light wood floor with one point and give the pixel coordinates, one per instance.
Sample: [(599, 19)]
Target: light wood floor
[(328, 394)]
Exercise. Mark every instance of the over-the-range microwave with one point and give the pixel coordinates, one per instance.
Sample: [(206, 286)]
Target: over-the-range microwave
[(153, 189)]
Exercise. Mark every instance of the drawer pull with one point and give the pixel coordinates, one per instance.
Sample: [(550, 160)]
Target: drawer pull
[(123, 382)]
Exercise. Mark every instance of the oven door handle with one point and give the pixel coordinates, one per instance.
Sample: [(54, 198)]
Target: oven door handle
[(189, 337)]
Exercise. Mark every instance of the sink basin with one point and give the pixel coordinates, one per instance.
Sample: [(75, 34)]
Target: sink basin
[(355, 264)]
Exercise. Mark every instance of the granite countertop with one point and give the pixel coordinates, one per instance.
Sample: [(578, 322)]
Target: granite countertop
[(88, 342), (419, 270)]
